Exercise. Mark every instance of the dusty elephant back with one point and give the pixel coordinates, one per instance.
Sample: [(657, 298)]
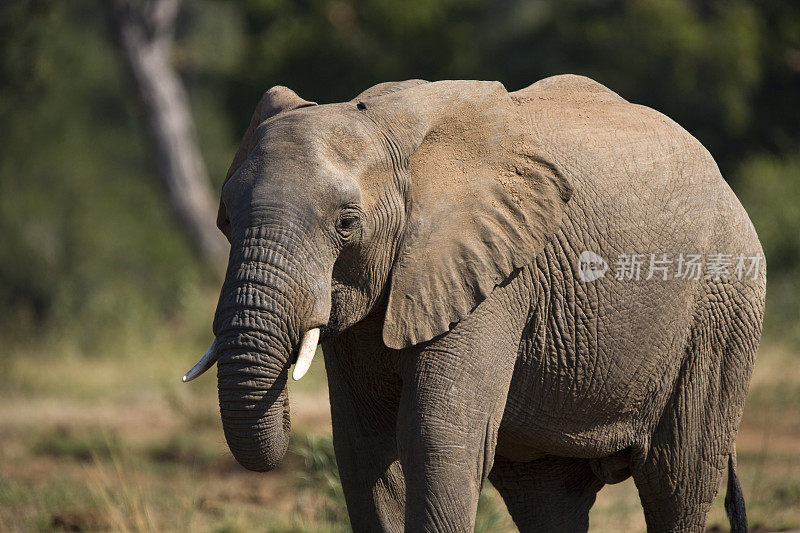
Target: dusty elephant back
[(626, 159)]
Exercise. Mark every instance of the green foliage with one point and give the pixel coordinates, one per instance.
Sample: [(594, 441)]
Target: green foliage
[(766, 181), (770, 190), (89, 252), (491, 515), (320, 474)]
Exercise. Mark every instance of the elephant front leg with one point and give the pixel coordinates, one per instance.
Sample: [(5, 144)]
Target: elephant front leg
[(445, 460), (454, 394), (372, 479), (364, 415)]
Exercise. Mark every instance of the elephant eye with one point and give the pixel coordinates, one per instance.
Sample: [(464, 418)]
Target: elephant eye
[(347, 222)]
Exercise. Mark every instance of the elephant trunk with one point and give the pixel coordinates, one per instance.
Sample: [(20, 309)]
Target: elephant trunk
[(254, 406), (263, 310)]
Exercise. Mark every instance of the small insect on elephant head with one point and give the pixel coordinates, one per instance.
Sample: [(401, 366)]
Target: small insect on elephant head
[(413, 200)]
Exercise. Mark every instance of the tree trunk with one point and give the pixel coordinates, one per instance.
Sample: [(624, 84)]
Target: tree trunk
[(145, 30)]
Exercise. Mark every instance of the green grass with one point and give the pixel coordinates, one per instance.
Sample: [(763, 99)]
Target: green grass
[(66, 443), (117, 442)]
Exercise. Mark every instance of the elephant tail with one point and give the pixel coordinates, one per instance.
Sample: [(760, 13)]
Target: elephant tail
[(734, 499)]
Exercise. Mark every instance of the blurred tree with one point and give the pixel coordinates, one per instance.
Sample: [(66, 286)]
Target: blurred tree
[(87, 250), (145, 31)]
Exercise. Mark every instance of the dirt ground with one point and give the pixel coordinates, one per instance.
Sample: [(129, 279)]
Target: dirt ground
[(119, 443)]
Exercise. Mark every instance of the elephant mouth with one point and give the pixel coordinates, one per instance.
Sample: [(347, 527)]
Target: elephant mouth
[(302, 359)]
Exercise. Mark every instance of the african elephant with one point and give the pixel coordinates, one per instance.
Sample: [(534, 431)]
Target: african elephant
[(551, 288)]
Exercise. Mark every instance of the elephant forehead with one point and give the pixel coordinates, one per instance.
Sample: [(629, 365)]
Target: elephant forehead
[(303, 180), (332, 153), (283, 173), (334, 133)]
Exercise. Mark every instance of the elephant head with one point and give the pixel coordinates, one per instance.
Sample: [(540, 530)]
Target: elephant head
[(413, 201)]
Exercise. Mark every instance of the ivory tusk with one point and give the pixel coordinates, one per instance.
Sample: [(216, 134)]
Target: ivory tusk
[(205, 362), (305, 354)]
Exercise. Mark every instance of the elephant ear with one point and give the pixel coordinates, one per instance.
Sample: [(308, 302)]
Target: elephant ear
[(483, 197), (278, 99)]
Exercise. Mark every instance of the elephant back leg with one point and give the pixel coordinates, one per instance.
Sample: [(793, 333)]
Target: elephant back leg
[(678, 471), (547, 494)]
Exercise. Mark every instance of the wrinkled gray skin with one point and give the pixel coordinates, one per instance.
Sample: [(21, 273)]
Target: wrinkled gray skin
[(433, 231)]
